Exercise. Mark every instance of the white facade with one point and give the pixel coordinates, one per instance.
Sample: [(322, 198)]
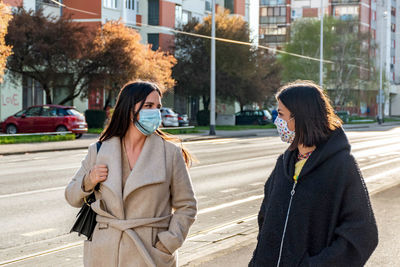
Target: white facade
[(10, 96), (388, 39)]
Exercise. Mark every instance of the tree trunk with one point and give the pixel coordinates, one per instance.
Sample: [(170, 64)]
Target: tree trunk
[(206, 102), (48, 94), (108, 100)]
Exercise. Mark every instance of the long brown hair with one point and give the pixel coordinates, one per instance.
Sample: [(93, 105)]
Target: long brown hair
[(314, 116), (131, 94)]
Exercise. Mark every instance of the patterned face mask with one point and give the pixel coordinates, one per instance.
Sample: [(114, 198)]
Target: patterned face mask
[(283, 130)]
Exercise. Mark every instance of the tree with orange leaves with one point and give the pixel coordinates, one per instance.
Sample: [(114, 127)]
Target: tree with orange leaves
[(118, 49), (57, 52), (5, 50)]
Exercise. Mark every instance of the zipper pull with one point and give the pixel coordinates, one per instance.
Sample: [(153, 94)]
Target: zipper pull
[(293, 189)]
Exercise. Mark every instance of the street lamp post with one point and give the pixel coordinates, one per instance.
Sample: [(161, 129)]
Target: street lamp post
[(321, 46), (380, 95), (212, 90)]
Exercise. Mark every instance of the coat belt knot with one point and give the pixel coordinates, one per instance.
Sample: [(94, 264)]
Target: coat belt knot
[(129, 225)]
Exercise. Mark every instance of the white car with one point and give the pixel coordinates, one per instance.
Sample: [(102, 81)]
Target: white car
[(169, 118)]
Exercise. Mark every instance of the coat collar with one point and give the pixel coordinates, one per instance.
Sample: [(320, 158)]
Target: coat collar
[(150, 168)]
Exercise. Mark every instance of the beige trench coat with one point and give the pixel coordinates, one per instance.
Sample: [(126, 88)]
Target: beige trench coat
[(130, 222)]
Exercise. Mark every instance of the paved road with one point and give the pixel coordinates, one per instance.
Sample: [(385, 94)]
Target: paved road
[(386, 205), (228, 181)]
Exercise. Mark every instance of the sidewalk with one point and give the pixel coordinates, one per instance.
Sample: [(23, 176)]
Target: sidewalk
[(87, 139)]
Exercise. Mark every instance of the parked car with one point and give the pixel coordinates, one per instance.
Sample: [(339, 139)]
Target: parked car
[(183, 120), (254, 117), (344, 115), (46, 118), (169, 118)]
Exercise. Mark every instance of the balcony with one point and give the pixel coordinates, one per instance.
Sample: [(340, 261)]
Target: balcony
[(273, 3), (273, 39), (272, 20), (345, 2)]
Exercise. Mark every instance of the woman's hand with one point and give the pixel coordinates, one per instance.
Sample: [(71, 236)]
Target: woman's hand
[(98, 174), (161, 247)]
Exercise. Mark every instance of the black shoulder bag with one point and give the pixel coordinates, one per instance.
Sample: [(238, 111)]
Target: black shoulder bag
[(86, 217)]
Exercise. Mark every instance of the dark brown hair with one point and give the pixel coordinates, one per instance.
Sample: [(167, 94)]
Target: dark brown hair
[(314, 116), (131, 94)]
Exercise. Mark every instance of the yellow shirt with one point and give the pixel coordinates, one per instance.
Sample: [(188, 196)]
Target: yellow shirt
[(298, 167)]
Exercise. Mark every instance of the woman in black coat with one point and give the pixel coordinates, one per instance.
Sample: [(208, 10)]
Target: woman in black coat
[(316, 209)]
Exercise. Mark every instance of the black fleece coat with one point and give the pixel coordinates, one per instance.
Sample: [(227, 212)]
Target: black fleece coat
[(330, 223)]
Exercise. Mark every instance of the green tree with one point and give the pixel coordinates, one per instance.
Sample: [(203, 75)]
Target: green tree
[(243, 73), (344, 45)]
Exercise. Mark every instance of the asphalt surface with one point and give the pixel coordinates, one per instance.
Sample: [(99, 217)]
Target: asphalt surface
[(228, 181)]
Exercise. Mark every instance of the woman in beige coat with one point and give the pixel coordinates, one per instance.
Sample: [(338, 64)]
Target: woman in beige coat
[(145, 204)]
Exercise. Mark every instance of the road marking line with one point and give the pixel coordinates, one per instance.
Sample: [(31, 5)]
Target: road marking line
[(256, 184), (379, 164), (230, 204), (381, 175), (234, 162), (39, 232), (229, 190), (222, 226), (32, 192), (42, 253)]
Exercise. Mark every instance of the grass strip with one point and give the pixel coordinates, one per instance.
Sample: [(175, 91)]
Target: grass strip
[(35, 138)]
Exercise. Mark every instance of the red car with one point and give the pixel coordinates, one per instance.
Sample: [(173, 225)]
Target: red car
[(46, 118)]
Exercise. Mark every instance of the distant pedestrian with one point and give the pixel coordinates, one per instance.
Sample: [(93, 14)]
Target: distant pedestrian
[(145, 204), (316, 209)]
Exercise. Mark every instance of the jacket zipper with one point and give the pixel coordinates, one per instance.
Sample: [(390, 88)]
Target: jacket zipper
[(287, 219)]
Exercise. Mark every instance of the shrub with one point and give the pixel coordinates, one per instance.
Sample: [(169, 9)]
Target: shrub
[(95, 118)]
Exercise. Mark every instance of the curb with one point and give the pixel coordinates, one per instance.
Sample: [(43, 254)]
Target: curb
[(266, 132)]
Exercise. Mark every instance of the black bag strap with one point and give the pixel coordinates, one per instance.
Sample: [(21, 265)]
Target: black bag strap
[(98, 145)]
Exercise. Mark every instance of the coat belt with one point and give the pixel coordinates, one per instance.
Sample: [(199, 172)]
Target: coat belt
[(128, 227)]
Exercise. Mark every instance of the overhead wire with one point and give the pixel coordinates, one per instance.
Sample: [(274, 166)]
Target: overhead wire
[(274, 50)]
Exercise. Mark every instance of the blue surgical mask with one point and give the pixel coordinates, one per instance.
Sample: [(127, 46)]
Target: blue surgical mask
[(149, 121)]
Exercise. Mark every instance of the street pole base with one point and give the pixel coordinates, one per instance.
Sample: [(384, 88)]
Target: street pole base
[(212, 130)]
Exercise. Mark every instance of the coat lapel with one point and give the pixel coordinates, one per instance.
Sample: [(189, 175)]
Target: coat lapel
[(110, 155), (150, 167)]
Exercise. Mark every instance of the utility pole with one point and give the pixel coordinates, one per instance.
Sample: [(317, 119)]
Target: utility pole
[(380, 95), (212, 90), (321, 46)]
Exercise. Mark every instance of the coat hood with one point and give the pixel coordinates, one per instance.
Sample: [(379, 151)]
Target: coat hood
[(336, 143)]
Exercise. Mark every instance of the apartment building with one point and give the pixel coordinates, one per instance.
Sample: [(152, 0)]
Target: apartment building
[(152, 19)]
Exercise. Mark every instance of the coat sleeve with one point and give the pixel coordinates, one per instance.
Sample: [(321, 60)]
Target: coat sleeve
[(74, 192), (184, 203), (261, 213), (356, 234)]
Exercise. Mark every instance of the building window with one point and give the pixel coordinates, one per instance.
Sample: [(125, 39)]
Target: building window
[(130, 4), (393, 27), (32, 93), (228, 4), (208, 5), (178, 15), (111, 3), (186, 17), (154, 12), (154, 40), (264, 11), (393, 11)]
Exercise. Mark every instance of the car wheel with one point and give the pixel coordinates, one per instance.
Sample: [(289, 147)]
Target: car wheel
[(11, 129), (61, 129), (77, 136)]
